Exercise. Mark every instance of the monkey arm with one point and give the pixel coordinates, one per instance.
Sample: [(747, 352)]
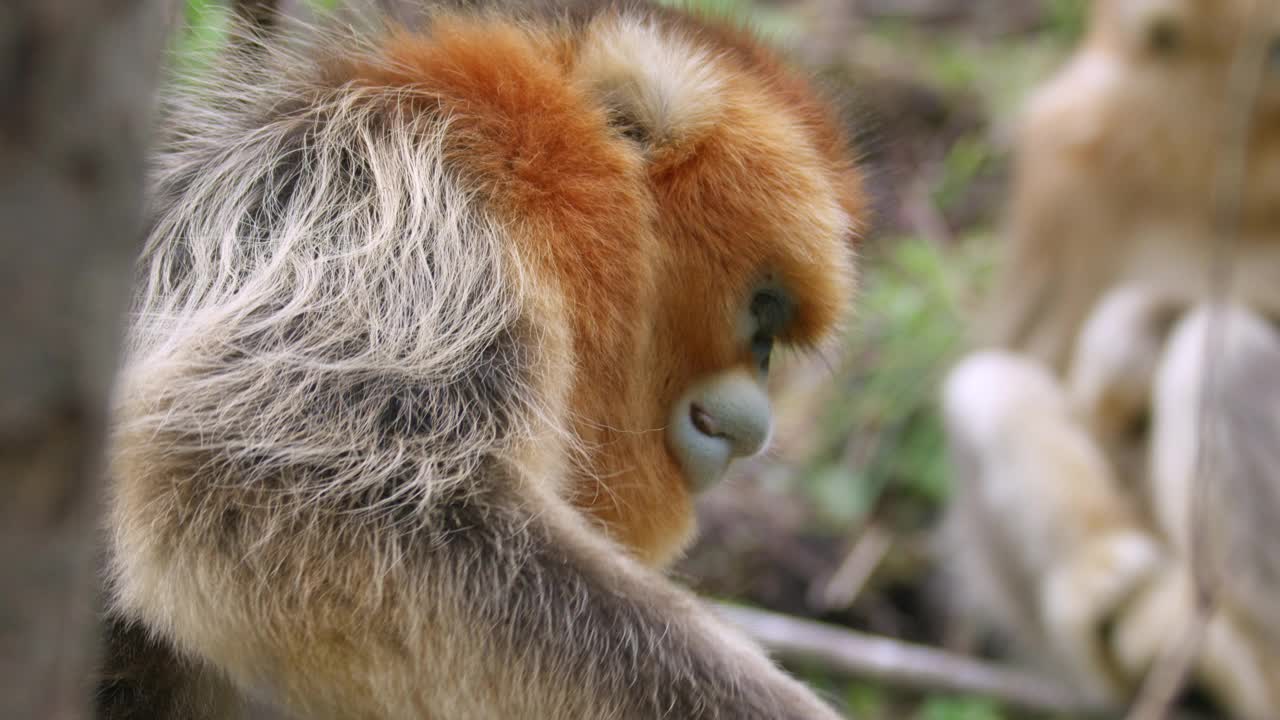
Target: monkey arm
[(1054, 268), (1053, 547), (1232, 664), (1062, 231), (500, 603), (1115, 359), (664, 654), (1109, 383)]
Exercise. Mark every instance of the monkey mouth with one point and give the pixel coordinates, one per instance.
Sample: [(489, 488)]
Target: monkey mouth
[(718, 420), (701, 449)]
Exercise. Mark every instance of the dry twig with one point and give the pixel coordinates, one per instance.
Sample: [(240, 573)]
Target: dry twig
[(843, 586), (903, 664)]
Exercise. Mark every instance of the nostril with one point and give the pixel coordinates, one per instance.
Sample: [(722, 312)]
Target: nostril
[(719, 420), (704, 422)]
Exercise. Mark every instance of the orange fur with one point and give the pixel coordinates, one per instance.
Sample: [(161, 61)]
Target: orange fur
[(764, 192)]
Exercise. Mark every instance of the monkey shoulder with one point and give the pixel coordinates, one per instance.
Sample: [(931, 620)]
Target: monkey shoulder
[(363, 337)]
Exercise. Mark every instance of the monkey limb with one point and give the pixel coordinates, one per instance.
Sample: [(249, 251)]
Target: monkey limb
[(1110, 378), (1229, 663), (1057, 552), (1049, 510), (578, 629)]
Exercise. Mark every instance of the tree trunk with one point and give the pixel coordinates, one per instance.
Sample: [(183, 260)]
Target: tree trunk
[(76, 85)]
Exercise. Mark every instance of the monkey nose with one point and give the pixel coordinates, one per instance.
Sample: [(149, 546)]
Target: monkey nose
[(720, 419), (744, 428)]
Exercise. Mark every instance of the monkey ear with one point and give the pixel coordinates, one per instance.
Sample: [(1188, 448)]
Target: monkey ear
[(657, 87)]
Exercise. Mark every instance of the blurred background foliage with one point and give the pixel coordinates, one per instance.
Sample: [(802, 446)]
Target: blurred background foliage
[(837, 522)]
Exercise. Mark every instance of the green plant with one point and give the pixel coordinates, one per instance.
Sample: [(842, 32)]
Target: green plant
[(911, 322), (959, 708), (1067, 19)]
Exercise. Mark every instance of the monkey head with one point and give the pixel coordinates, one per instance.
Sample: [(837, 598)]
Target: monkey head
[(1148, 105), (1195, 39), (681, 204), (754, 204)]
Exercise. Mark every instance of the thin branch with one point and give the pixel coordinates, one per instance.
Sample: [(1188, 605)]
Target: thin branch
[(903, 664), (846, 583)]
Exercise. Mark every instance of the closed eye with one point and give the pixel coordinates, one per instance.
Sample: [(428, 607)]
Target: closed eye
[(1164, 37), (769, 313)]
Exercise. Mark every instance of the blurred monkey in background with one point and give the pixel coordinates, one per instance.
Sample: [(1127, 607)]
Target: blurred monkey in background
[(1116, 374)]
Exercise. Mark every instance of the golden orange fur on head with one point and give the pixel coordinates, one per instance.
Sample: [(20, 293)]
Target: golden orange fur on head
[(662, 171)]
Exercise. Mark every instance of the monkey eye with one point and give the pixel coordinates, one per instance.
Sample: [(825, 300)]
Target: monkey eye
[(1164, 37), (769, 312)]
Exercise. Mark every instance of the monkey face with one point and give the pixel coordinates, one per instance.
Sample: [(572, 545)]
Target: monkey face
[(727, 415), (754, 207), (1190, 37), (758, 205), (1178, 64)]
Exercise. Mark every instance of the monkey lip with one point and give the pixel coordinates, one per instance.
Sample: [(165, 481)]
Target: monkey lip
[(723, 418), (703, 453)]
